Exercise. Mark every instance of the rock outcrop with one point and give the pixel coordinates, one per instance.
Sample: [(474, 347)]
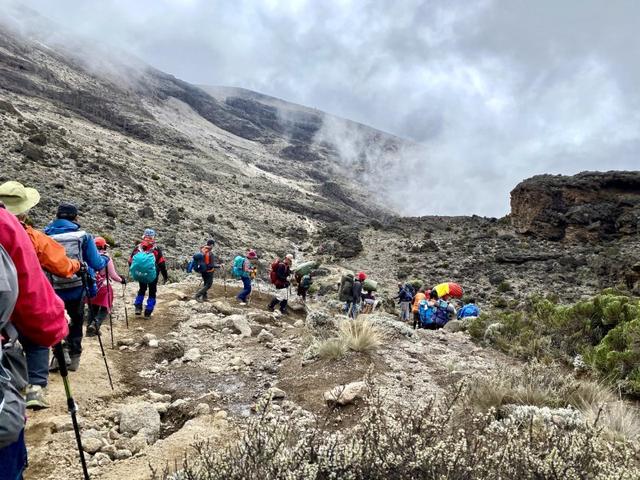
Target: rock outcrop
[(586, 206)]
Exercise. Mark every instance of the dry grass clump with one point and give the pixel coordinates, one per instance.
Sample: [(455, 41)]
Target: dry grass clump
[(618, 421), (432, 441), (331, 349), (360, 335)]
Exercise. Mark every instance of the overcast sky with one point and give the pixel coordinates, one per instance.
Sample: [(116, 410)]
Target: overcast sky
[(496, 90)]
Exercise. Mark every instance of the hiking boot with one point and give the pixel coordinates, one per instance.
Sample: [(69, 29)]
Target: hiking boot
[(91, 330), (138, 309), (199, 298), (147, 313), (54, 367), (37, 397), (75, 363)]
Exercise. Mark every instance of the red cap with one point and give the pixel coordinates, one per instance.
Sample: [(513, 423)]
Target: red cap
[(251, 254), (100, 242), (362, 276)]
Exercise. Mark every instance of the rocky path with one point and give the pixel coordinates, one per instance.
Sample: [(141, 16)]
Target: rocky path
[(195, 372)]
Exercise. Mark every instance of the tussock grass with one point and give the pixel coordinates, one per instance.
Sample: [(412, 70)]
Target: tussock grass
[(332, 348), (360, 335)]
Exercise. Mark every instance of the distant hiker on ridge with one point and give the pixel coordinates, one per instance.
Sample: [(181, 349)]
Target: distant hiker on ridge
[(145, 262), (79, 245)]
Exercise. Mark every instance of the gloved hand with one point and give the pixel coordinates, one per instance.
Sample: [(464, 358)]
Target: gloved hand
[(165, 280), (124, 281)]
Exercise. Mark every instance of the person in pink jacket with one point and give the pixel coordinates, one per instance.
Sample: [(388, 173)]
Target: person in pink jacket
[(102, 303), (37, 313)]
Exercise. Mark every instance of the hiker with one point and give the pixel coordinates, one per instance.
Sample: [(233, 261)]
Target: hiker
[(145, 262), (369, 302), (243, 268), (470, 309), (52, 257), (206, 265), (405, 298), (304, 283), (79, 245), (420, 296), (279, 276), (102, 303), (354, 303), (30, 308)]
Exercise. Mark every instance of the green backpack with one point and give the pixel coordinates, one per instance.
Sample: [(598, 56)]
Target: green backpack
[(238, 267)]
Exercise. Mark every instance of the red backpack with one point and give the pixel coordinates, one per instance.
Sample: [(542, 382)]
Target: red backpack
[(273, 274)]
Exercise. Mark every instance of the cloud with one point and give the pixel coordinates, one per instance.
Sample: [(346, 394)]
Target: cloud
[(495, 91)]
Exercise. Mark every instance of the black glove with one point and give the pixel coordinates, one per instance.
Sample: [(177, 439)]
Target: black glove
[(124, 281), (165, 280)]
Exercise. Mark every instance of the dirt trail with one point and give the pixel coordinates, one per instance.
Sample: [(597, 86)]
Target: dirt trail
[(51, 453)]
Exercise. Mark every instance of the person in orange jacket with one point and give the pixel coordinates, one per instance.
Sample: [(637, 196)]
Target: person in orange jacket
[(52, 257), (421, 295)]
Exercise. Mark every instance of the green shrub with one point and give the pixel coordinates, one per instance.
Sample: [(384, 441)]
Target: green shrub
[(108, 238), (504, 287)]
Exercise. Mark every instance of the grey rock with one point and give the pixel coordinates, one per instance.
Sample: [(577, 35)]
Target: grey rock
[(140, 416)]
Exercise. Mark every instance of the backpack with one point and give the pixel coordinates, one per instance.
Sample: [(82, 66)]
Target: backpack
[(273, 272), (306, 282), (441, 313), (72, 243), (426, 313), (199, 263), (469, 310), (143, 266), (346, 287), (13, 364), (238, 267)]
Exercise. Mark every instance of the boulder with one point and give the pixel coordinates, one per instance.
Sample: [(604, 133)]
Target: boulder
[(345, 394), (170, 350), (276, 393), (140, 417), (192, 355), (265, 336), (239, 324), (92, 444), (454, 326), (319, 319)]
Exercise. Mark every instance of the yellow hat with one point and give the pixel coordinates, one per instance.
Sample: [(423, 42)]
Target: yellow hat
[(17, 198)]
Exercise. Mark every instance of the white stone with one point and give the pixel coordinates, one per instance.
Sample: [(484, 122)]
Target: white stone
[(345, 394), (140, 416)]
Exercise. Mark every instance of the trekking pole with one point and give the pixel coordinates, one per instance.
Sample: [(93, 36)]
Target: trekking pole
[(109, 304), (225, 283), (124, 301), (98, 334), (71, 404)]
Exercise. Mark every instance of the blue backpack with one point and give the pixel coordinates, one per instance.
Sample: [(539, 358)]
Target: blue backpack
[(238, 267), (441, 313), (426, 313), (199, 264), (143, 266), (469, 310)]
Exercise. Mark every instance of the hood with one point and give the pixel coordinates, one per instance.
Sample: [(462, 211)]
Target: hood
[(61, 225)]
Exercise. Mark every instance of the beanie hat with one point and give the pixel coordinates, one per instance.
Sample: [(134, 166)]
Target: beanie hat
[(100, 242), (149, 232), (251, 254), (67, 211), (362, 276), (211, 242)]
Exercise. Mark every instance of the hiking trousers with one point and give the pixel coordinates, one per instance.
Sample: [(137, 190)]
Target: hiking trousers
[(151, 300), (405, 311), (13, 459), (246, 289), (98, 314), (207, 278), (37, 362), (281, 297), (75, 310)]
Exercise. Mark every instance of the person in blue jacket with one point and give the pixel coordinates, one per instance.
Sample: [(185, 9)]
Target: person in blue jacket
[(79, 245)]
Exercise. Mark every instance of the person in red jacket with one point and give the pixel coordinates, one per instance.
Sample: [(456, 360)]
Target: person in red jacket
[(38, 315)]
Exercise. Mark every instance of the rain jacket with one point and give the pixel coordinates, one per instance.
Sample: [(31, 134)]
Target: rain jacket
[(90, 255), (416, 301), (51, 255), (104, 297), (38, 313)]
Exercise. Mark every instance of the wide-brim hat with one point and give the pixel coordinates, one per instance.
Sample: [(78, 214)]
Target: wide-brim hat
[(17, 198)]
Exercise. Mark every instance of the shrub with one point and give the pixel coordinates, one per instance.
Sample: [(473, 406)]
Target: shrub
[(360, 335), (504, 287), (108, 238), (431, 441)]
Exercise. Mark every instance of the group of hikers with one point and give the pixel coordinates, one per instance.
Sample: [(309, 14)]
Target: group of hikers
[(429, 308), (51, 279)]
